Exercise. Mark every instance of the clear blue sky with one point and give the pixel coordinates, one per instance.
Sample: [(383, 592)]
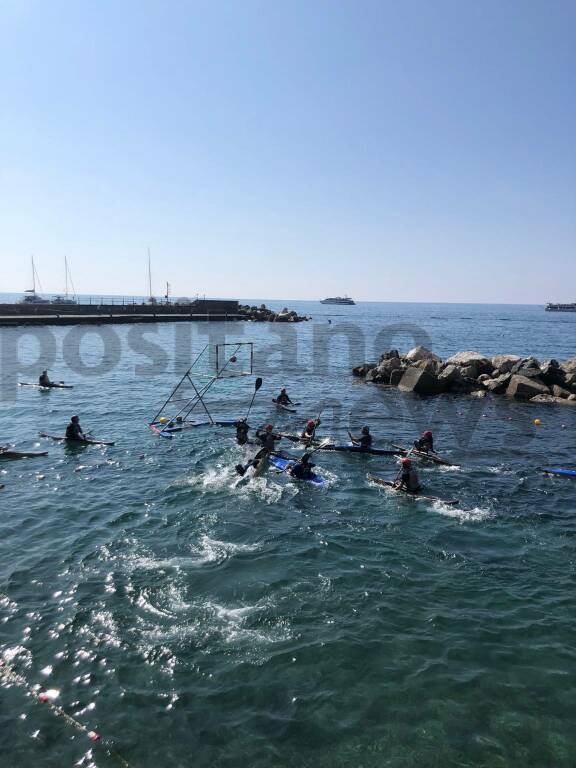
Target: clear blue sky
[(411, 150)]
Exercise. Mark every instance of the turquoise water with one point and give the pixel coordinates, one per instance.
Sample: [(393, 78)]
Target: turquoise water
[(282, 625)]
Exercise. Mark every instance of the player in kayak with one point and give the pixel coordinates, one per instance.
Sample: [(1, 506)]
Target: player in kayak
[(283, 398), (409, 477), (242, 429), (44, 379), (74, 430), (267, 437), (309, 431), (267, 440), (303, 469), (425, 443), (365, 439)]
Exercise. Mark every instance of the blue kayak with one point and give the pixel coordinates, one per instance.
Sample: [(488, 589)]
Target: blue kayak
[(283, 464), (559, 471)]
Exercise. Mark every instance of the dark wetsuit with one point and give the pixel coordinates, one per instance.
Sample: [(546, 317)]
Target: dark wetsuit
[(302, 471), (74, 432), (365, 441), (424, 444), (409, 480), (241, 432), (44, 381), (268, 442), (283, 399)]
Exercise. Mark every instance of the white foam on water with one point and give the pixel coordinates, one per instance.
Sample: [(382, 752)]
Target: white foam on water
[(474, 515)]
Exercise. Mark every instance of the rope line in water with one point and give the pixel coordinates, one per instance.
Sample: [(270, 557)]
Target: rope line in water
[(11, 675)]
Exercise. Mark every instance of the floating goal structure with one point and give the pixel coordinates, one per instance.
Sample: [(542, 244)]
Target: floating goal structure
[(226, 362)]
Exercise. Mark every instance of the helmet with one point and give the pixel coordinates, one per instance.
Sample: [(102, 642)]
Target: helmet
[(406, 462), (428, 433), (75, 418), (269, 427), (311, 423), (283, 390), (365, 430)]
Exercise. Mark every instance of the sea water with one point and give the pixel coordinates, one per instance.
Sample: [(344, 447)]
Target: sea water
[(280, 625)]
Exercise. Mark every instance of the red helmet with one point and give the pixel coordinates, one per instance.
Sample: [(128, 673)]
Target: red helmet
[(311, 423), (269, 427), (406, 461), (428, 433)]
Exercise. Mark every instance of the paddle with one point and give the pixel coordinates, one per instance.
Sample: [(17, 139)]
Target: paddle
[(257, 385)]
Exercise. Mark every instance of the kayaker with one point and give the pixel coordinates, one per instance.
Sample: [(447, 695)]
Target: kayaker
[(303, 469), (409, 477), (266, 437), (44, 379), (242, 429), (425, 443), (74, 430), (365, 439), (310, 430), (283, 398)]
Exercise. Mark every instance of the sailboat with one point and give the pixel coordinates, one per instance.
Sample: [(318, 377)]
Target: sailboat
[(151, 299), (66, 299), (30, 295)]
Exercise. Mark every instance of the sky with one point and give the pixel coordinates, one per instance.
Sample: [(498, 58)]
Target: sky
[(392, 150)]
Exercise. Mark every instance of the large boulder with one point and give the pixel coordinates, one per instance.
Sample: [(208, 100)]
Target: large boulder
[(551, 400), (384, 369), (551, 373), (421, 353), (465, 359), (504, 363), (429, 365), (569, 366), (450, 374), (362, 370), (524, 388), (420, 382), (570, 381), (558, 391), (498, 384), (396, 376)]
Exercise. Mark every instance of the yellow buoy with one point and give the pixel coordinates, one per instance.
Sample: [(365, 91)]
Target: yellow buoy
[(537, 422), (163, 419)]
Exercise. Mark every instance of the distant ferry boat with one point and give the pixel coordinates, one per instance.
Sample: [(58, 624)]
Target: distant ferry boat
[(338, 300), (561, 307)]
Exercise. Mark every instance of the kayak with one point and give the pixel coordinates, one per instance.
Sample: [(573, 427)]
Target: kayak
[(284, 407), (8, 453), (261, 469), (425, 456), (53, 385), (86, 441), (283, 465), (391, 486), (559, 471), (351, 448)]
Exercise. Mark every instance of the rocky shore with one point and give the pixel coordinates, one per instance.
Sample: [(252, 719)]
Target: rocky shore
[(264, 315), (470, 373)]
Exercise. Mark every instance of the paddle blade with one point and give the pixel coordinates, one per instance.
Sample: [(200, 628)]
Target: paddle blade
[(241, 470), (257, 384)]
